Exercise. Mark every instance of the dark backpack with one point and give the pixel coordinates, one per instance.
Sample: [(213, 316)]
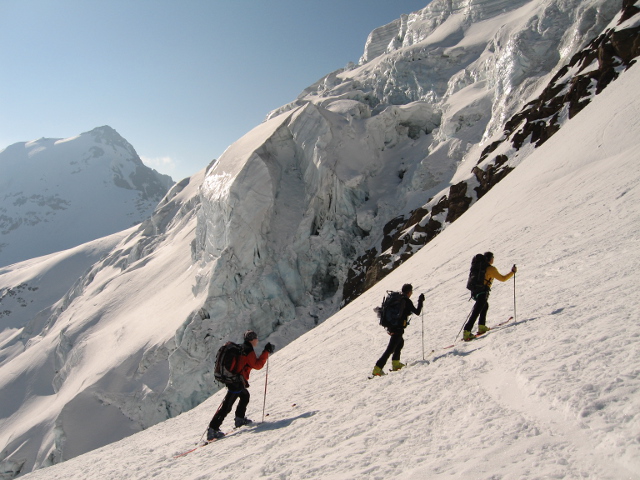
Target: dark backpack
[(477, 272), (390, 310), (226, 360)]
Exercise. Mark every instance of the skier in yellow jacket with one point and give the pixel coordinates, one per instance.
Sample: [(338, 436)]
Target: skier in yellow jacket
[(482, 298)]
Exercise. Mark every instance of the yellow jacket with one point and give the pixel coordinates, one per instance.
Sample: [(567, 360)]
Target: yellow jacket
[(492, 272)]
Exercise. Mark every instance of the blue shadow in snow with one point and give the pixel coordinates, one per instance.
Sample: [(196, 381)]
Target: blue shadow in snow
[(285, 422)]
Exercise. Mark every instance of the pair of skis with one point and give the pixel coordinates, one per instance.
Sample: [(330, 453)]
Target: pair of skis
[(208, 442), (494, 328), (229, 434), (477, 335), (391, 370)]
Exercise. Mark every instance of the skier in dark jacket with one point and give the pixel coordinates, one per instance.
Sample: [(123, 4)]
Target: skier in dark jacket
[(396, 341), (481, 307), (246, 362)]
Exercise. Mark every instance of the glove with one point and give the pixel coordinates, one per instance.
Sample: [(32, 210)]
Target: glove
[(269, 347), (421, 298)]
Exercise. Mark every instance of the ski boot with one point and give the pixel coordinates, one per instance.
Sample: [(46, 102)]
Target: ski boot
[(378, 372), (213, 434), (240, 422), (483, 329), (467, 335), (396, 365)]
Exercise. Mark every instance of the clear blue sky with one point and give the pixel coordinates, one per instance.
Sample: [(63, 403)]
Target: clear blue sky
[(180, 80)]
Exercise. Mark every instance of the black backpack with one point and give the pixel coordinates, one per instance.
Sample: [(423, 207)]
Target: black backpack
[(390, 310), (226, 359), (477, 272)]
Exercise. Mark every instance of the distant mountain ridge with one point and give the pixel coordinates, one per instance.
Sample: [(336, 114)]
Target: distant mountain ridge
[(59, 193)]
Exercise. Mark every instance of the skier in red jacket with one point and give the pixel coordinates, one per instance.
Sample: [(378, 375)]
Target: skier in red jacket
[(245, 362)]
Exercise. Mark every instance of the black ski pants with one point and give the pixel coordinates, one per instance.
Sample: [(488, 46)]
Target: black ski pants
[(396, 342), (234, 391), (480, 309)]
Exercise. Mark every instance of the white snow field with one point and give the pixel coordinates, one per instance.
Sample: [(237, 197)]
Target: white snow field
[(29, 289), (555, 394)]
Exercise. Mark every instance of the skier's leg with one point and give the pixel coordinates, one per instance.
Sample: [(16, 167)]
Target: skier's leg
[(398, 349), (483, 313), (224, 408), (393, 342), (481, 300), (245, 396)]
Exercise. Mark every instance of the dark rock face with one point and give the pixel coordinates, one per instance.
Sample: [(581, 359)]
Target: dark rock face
[(588, 73), (494, 172)]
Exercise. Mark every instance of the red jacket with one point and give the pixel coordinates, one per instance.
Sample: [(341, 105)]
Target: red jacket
[(248, 361)]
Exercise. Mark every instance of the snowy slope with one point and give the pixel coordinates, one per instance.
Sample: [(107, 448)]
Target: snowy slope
[(263, 238), (105, 354), (60, 193), (556, 394), (30, 288)]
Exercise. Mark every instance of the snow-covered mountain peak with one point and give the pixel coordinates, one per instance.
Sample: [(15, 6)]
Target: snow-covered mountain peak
[(109, 138), (59, 193)]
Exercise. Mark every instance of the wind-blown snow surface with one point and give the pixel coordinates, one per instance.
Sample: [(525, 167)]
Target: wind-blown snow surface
[(56, 194), (554, 395)]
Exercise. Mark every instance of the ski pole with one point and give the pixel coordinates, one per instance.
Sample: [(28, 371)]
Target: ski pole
[(264, 401), (465, 322), (423, 336), (203, 434), (515, 318)]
